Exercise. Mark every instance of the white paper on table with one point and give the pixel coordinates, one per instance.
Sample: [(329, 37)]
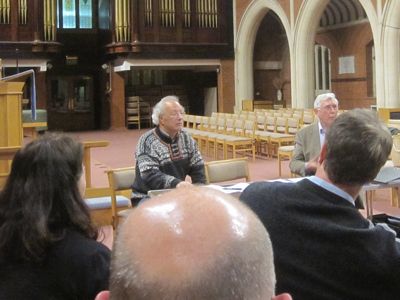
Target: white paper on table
[(231, 189)]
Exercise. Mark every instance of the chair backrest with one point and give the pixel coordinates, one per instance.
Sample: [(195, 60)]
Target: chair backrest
[(238, 127), (227, 170), (270, 123), (249, 128), (293, 125), (281, 125), (120, 180)]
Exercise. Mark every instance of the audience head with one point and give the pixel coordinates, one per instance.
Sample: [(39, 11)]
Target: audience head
[(326, 108), (192, 243), (357, 146), (168, 114), (43, 197)]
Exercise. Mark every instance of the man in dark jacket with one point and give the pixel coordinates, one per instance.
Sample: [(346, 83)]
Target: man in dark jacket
[(323, 247)]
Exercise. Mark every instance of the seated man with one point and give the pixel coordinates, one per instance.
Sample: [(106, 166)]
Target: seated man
[(310, 139), (166, 154), (192, 243), (324, 248)]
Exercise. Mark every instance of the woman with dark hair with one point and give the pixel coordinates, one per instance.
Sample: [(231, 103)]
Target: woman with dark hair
[(48, 247)]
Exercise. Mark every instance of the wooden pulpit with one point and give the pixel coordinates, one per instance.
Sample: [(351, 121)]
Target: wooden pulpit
[(11, 134)]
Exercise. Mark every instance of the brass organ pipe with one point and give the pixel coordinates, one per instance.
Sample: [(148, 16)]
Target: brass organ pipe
[(216, 13), (116, 19), (162, 12), (147, 11), (213, 13), (184, 11), (125, 19), (201, 12), (166, 13), (4, 12), (170, 13), (204, 13), (8, 11), (208, 13), (151, 12), (198, 12), (188, 13), (25, 12), (128, 15), (46, 21), (50, 13), (54, 21), (173, 13)]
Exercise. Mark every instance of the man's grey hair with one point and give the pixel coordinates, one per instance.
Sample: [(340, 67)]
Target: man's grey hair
[(358, 145), (159, 108), (323, 97)]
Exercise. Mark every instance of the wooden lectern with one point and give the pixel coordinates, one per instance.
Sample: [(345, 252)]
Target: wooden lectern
[(11, 135)]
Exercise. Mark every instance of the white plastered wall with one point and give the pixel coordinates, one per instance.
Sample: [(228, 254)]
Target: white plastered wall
[(391, 55), (245, 39)]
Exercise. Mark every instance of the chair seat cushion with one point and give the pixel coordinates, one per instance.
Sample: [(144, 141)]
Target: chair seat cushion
[(289, 148), (105, 202)]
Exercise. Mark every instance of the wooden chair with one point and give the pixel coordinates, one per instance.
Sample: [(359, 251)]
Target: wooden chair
[(120, 181), (137, 111), (227, 170), (284, 152)]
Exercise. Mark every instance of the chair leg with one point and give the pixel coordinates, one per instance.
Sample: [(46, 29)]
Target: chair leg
[(279, 165)]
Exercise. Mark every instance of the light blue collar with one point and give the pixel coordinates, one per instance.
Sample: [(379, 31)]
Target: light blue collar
[(331, 188)]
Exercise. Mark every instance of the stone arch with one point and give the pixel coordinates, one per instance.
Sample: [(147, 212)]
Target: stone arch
[(391, 54), (303, 49), (246, 36)]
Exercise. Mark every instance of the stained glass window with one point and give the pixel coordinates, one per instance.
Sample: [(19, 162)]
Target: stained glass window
[(85, 13), (75, 14), (69, 14)]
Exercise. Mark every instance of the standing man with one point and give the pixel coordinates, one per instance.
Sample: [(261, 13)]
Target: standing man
[(310, 139), (323, 247), (194, 243), (166, 154)]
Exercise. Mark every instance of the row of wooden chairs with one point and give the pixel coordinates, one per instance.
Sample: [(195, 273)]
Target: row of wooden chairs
[(193, 121), (235, 136), (269, 133)]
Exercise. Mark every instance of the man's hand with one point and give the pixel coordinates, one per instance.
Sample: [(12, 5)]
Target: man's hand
[(183, 184), (311, 166)]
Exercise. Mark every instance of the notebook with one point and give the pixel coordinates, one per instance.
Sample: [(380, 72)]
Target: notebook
[(387, 174)]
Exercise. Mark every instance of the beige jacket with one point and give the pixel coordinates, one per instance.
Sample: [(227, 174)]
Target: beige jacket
[(307, 147)]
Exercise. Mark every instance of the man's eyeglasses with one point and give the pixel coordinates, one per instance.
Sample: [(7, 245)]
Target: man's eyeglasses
[(176, 114), (329, 107)]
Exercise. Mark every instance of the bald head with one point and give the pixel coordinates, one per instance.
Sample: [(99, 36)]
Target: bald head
[(192, 243)]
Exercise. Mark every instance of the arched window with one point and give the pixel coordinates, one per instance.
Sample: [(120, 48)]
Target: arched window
[(73, 14), (322, 69)]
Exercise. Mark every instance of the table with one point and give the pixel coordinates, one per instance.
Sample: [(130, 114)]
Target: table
[(369, 189)]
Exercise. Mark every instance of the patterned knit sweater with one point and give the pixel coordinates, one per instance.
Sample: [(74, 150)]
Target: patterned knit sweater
[(162, 162), (323, 247)]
